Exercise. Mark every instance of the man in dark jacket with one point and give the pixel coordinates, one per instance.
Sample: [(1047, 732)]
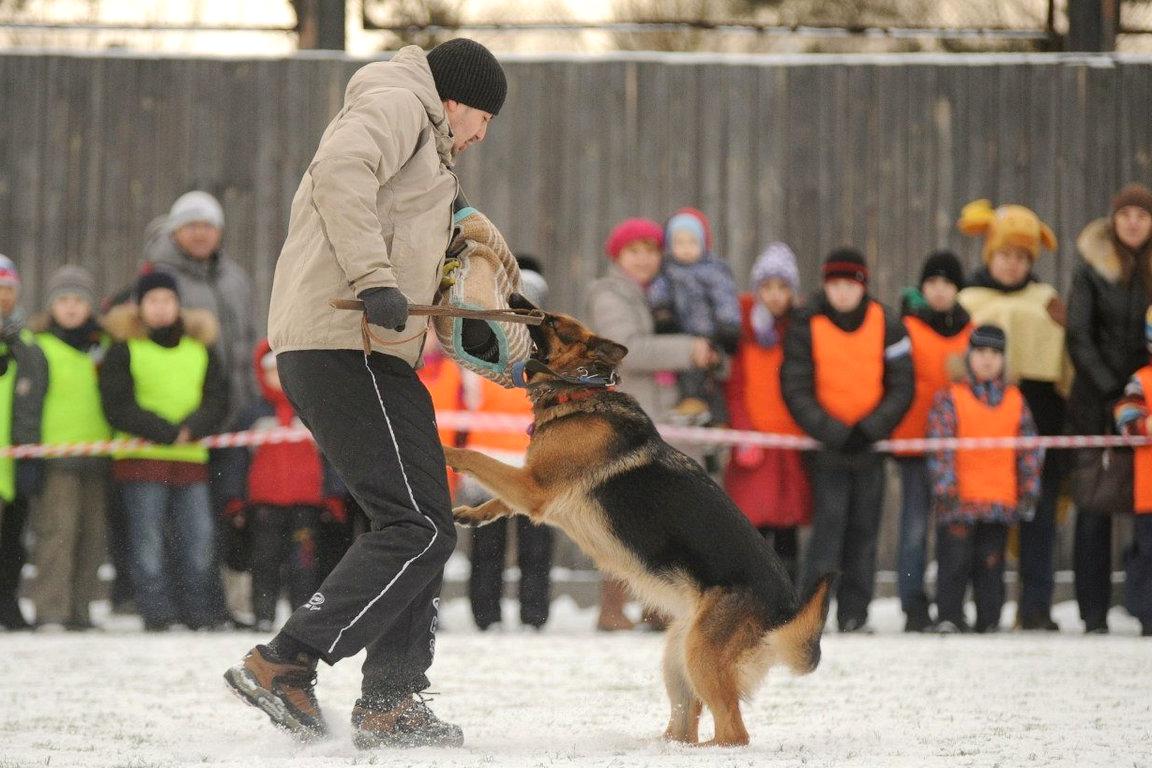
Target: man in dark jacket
[(1105, 338), (847, 380)]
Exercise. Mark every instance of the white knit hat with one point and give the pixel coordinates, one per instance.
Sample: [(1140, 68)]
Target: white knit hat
[(195, 206)]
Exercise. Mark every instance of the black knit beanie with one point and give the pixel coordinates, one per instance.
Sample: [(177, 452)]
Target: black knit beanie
[(943, 264), (988, 336), (467, 72), (847, 263), (153, 280)]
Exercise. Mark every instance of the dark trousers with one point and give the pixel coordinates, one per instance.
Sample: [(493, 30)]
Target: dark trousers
[(967, 553), (915, 512), (533, 556), (1038, 536), (374, 422), (283, 554), (785, 542), (13, 518), (1092, 561), (1138, 580), (119, 546), (847, 496)]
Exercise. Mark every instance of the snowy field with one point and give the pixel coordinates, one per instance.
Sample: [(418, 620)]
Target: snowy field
[(572, 697)]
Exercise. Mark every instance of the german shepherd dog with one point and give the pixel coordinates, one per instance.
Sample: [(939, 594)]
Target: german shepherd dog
[(597, 469)]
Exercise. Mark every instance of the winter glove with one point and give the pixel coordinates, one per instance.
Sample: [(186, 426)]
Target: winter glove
[(234, 509), (385, 307), (334, 510), (748, 456), (856, 442)]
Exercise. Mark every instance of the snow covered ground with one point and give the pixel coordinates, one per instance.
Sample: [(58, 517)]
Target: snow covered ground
[(571, 697)]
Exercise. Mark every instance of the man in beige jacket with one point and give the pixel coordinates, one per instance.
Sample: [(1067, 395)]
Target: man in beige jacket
[(372, 219)]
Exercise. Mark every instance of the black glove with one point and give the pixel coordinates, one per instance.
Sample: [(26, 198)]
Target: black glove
[(856, 442), (385, 307)]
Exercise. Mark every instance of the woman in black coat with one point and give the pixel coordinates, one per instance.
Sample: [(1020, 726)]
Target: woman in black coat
[(1105, 334)]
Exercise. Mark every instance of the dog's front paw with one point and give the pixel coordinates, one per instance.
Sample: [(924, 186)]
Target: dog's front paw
[(467, 516), (455, 458)]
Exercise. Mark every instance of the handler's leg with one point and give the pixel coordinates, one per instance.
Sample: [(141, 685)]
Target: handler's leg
[(374, 421)]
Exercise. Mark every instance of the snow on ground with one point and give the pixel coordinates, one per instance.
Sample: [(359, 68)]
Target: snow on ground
[(572, 697)]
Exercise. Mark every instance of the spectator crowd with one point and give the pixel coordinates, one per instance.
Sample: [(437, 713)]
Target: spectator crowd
[(176, 356)]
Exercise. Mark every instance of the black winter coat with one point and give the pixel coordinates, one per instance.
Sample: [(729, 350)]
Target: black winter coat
[(1105, 332), (798, 377)]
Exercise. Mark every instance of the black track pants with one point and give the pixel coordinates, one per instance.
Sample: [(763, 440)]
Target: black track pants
[(374, 421)]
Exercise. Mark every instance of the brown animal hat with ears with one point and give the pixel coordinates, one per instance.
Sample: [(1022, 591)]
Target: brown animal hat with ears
[(1008, 225)]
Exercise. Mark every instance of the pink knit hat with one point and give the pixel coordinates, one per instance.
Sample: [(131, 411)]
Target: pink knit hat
[(631, 230)]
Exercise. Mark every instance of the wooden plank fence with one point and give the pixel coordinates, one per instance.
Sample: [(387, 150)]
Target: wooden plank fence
[(877, 152)]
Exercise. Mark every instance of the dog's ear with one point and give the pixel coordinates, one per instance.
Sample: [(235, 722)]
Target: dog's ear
[(607, 351)]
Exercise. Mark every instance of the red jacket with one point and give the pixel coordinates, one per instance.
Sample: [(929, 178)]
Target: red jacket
[(279, 474)]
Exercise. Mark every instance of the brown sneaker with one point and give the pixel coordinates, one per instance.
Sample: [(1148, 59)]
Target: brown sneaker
[(285, 690), (690, 412), (408, 723)]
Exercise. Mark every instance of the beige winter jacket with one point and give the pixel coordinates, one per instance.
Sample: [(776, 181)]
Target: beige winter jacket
[(373, 209)]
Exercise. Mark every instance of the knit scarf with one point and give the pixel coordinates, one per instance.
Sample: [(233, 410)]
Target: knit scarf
[(82, 338), (947, 324)]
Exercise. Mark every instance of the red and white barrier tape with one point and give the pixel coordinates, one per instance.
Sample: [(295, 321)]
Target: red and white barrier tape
[(513, 423)]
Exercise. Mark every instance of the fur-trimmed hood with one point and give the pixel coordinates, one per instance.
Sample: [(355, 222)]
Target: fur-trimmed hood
[(1097, 250), (123, 323)]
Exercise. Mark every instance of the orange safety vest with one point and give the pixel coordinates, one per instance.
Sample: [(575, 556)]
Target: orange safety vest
[(987, 475), (443, 379), (761, 390), (930, 355), (1142, 459), (496, 399), (849, 365)]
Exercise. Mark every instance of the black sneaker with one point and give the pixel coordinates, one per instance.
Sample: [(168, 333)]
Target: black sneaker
[(918, 620), (284, 690), (406, 723), (1038, 622)]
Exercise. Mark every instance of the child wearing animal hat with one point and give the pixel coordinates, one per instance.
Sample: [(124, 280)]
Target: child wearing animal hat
[(695, 293), (162, 381), (979, 494), (770, 485), (1134, 417), (68, 518), (847, 380), (1006, 293), (938, 328)]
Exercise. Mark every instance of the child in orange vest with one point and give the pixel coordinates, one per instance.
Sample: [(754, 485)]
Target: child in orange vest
[(847, 379), (979, 494), (1134, 417), (770, 485), (938, 328)]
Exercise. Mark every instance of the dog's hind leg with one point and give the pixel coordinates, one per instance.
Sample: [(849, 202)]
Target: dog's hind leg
[(514, 486), (684, 723), (721, 635)]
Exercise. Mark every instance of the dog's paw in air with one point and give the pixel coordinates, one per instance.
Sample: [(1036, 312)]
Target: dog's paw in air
[(466, 516)]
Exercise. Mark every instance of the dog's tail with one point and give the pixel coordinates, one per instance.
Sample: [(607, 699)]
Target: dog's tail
[(797, 643)]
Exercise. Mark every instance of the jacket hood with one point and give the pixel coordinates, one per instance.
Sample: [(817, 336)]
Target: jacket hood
[(123, 323), (1096, 248), (261, 349), (409, 70)]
